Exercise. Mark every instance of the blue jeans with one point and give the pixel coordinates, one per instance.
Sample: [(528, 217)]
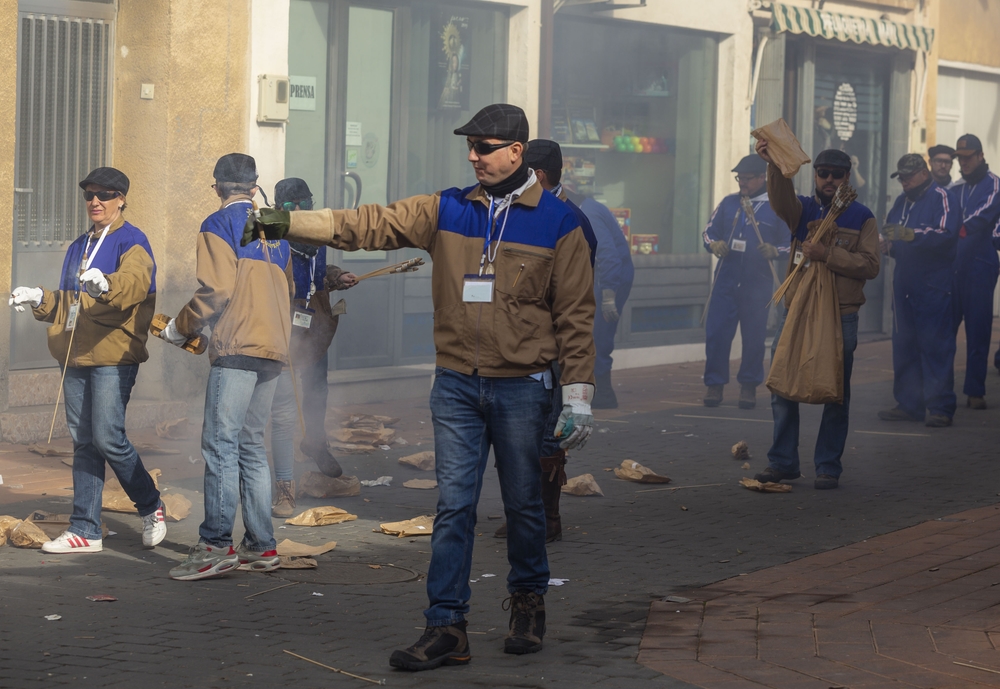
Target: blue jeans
[(96, 398), (784, 452), (471, 413), (237, 405), (313, 392)]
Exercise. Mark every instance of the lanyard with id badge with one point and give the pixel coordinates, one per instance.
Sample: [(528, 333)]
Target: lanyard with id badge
[(478, 289), (302, 315), (85, 263)]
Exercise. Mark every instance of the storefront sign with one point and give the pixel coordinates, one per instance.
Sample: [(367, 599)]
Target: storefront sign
[(449, 82), (844, 27), (845, 112), (302, 93)]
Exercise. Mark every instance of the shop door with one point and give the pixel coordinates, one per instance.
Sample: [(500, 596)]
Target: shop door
[(63, 77)]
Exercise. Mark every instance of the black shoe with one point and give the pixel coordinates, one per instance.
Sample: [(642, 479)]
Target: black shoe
[(976, 402), (938, 421), (748, 397), (825, 482), (713, 396), (896, 414), (320, 453), (436, 647), (501, 532), (772, 475), (527, 623), (604, 393)]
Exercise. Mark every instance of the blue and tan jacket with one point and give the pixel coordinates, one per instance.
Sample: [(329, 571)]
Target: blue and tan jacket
[(111, 330), (853, 253), (242, 298), (543, 302)]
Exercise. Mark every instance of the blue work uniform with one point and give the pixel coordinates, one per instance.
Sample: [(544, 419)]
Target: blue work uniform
[(743, 288), (923, 337), (308, 272), (976, 269)]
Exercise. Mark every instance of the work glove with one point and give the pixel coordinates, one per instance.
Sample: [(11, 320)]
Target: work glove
[(608, 307), (898, 233), (576, 422), (94, 282), (32, 296), (768, 251), (171, 334), (274, 223), (337, 279), (719, 248)]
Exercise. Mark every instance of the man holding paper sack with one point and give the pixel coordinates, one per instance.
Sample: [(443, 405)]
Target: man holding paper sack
[(853, 257)]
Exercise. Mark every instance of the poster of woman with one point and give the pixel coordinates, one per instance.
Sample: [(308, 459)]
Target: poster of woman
[(450, 66)]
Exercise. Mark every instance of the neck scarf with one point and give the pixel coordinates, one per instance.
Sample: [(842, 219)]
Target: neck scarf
[(515, 181)]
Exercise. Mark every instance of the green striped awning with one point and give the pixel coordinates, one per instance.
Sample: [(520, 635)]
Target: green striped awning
[(844, 27)]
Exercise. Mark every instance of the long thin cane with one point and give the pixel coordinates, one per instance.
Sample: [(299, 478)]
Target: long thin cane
[(62, 379), (748, 209)]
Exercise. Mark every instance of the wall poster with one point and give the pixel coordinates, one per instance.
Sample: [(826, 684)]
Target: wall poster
[(449, 82)]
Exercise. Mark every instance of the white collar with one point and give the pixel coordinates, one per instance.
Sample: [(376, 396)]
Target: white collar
[(510, 198)]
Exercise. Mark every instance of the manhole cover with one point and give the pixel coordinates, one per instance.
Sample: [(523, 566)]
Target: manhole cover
[(350, 573)]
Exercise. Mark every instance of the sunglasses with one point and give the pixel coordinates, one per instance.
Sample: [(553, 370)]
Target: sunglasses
[(101, 195), (304, 204), (836, 174), (484, 149)]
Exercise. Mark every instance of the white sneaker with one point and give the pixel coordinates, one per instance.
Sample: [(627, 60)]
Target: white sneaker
[(154, 527), (71, 543)]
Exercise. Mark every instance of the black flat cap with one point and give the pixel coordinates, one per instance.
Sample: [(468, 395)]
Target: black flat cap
[(236, 167), (968, 144), (908, 165), (544, 155), (752, 164), (107, 177), (939, 149), (498, 121), (291, 189), (831, 157)]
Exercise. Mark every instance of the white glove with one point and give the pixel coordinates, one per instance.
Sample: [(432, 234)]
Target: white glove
[(609, 310), (32, 296), (171, 335), (576, 421), (94, 282)]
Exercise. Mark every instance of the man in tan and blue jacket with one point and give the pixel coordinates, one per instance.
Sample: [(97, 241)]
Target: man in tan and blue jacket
[(244, 297), (513, 292)]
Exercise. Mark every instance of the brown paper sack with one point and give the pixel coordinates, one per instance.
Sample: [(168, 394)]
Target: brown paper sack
[(422, 460), (6, 524), (582, 485), (782, 146), (317, 485), (756, 485), (741, 451), (174, 429), (353, 448), (365, 436), (369, 421), (418, 526), (633, 471), (421, 483), (286, 562), (115, 499), (322, 516), (28, 535), (53, 525), (808, 363), (292, 548), (177, 507)]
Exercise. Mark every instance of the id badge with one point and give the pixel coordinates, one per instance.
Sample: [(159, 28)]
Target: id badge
[(739, 245), (798, 259), (478, 289), (74, 311), (302, 318)]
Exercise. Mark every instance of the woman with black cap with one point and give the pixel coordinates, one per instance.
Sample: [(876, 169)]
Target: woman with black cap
[(99, 318)]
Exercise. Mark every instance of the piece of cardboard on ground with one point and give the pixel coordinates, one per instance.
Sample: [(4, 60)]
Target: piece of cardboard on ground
[(741, 451), (317, 485), (28, 535), (173, 429), (322, 516), (49, 450), (582, 486), (288, 562), (115, 499), (418, 526), (364, 436), (292, 548), (369, 421), (421, 460), (633, 471), (352, 448), (421, 483), (755, 485), (176, 506)]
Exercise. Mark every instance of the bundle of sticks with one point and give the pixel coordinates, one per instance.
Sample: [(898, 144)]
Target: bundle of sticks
[(407, 266), (841, 200)]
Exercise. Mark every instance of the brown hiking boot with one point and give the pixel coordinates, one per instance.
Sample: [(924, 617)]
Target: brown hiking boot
[(748, 397), (436, 647), (527, 623), (713, 396), (553, 479), (284, 500)]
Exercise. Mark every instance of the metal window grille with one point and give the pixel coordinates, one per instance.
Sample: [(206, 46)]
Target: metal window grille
[(62, 122)]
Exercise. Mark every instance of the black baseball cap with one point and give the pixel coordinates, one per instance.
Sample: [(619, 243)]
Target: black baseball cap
[(107, 177), (908, 165), (498, 121), (291, 189), (236, 167), (831, 157), (544, 155), (752, 164), (968, 144), (939, 149)]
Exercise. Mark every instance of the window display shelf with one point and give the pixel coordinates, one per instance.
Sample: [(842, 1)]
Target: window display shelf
[(596, 147)]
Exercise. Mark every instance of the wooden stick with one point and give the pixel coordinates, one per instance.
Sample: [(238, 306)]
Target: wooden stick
[(343, 672), (62, 379), (407, 266), (660, 490), (285, 586), (748, 209), (976, 667)]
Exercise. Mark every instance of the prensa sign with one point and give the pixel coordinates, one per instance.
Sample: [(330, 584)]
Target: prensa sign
[(301, 93)]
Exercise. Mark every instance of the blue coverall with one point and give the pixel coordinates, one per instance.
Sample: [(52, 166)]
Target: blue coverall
[(976, 269), (923, 339), (743, 287)]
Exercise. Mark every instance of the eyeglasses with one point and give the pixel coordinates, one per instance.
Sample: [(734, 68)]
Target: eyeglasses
[(304, 204), (101, 195), (836, 174), (484, 149), (746, 178)]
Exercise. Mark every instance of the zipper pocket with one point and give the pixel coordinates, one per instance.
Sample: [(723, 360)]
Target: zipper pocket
[(523, 252)]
